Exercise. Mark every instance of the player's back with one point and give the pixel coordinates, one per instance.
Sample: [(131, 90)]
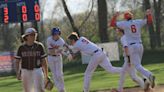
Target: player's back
[(132, 29), (86, 46)]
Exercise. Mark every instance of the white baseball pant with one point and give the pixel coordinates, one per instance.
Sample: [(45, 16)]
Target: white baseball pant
[(32, 78), (56, 67), (98, 58), (133, 74), (136, 53)]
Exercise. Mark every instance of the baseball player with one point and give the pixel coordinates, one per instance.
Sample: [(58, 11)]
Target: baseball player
[(132, 30), (129, 67), (98, 57), (56, 46), (31, 63)]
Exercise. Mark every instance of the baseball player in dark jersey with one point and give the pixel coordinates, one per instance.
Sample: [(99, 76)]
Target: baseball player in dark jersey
[(31, 63)]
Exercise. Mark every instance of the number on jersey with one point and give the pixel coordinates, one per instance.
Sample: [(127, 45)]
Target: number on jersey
[(133, 29), (85, 41)]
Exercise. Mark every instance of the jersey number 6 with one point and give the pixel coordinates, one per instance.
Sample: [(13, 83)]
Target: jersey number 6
[(133, 28)]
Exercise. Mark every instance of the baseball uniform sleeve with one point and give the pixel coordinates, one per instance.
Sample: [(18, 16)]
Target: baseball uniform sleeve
[(141, 22), (121, 24), (75, 48), (123, 41), (43, 53), (49, 43), (19, 55)]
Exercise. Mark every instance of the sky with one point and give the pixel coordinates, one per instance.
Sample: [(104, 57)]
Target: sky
[(75, 6), (78, 6)]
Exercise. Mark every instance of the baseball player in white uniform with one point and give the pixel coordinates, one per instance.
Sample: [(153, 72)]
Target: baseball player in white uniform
[(55, 46), (98, 57), (129, 67), (132, 30)]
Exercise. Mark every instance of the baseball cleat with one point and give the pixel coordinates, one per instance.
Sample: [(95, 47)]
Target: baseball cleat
[(152, 80), (146, 85)]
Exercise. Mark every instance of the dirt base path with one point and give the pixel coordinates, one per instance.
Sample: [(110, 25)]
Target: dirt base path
[(159, 88)]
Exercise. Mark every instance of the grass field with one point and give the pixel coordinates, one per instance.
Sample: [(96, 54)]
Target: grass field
[(152, 60)]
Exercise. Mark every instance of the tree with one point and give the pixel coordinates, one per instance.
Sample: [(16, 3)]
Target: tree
[(157, 8), (102, 17), (75, 29)]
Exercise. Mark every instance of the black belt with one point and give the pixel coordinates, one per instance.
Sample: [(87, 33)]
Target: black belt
[(96, 51), (31, 68), (54, 55), (135, 43)]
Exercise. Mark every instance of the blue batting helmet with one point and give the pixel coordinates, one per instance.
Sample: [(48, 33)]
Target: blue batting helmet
[(55, 31)]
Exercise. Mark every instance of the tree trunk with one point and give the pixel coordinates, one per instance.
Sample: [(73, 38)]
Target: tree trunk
[(150, 26), (75, 29), (102, 20), (157, 8)]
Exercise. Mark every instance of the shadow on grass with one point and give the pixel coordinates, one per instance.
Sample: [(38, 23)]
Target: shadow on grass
[(9, 83)]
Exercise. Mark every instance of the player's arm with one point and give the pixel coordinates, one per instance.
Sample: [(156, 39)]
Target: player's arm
[(67, 50), (113, 20), (18, 70), (18, 59), (51, 48), (44, 63), (45, 67), (126, 50), (74, 53)]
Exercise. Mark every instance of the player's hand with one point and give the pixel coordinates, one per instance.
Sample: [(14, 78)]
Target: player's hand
[(46, 79), (70, 57), (126, 51), (18, 76), (55, 47)]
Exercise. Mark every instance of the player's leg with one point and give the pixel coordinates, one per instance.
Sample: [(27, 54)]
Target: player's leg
[(38, 80), (133, 74), (136, 60), (54, 65), (51, 64), (122, 75), (93, 63), (27, 80), (106, 64), (59, 74), (135, 55), (151, 76)]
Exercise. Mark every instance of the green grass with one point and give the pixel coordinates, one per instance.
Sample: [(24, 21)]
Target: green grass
[(152, 60)]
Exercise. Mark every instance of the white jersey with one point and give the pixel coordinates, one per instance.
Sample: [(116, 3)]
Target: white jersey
[(123, 41), (132, 29), (51, 42), (85, 46)]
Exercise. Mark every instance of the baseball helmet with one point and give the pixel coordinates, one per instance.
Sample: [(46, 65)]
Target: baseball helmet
[(128, 15), (55, 31)]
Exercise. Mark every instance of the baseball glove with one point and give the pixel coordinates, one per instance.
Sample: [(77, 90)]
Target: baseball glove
[(49, 84)]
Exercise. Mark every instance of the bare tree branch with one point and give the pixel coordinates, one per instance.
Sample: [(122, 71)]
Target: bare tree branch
[(75, 29), (86, 18)]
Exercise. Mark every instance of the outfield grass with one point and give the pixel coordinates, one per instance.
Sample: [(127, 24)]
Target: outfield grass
[(152, 60)]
